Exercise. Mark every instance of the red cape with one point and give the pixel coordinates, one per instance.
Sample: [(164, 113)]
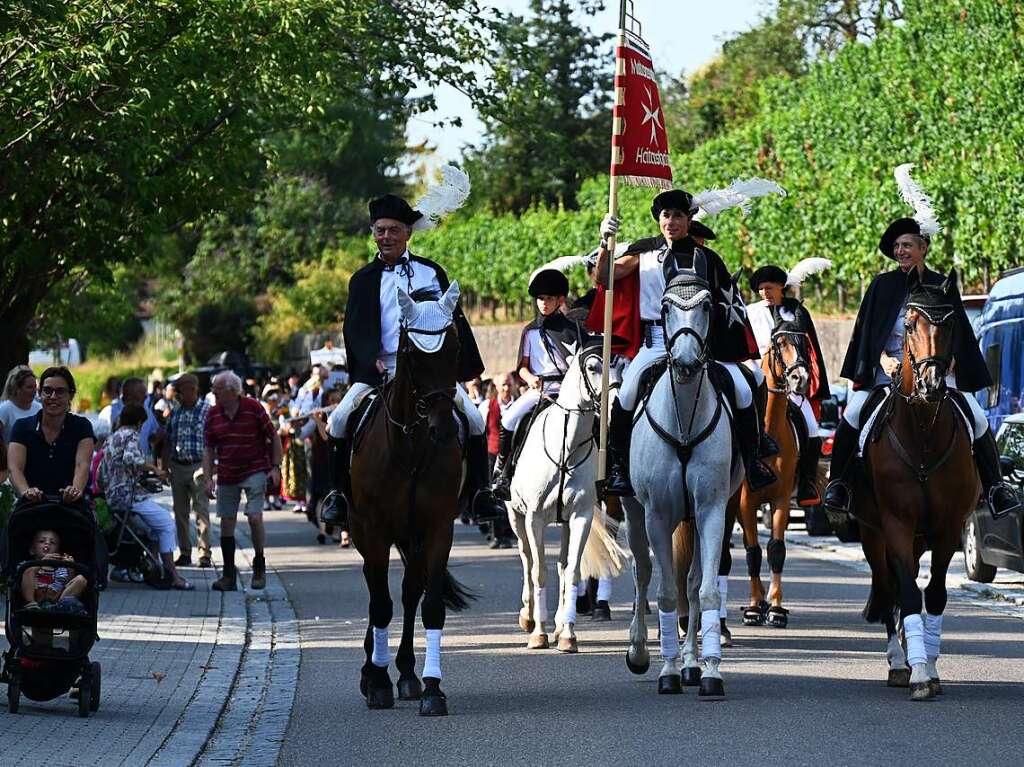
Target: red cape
[(626, 334)]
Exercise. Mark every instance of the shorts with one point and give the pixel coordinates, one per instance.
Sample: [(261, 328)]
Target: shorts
[(229, 497)]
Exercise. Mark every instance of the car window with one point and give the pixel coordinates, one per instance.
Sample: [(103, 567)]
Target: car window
[(993, 361), (1011, 443)]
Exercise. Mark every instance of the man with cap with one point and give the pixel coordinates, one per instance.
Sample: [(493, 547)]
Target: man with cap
[(371, 331), (544, 350), (771, 283), (730, 340), (875, 353)]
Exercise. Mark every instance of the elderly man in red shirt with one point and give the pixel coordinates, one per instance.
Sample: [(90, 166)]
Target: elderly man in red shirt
[(244, 442)]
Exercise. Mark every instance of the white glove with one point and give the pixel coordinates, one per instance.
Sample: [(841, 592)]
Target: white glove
[(609, 227)]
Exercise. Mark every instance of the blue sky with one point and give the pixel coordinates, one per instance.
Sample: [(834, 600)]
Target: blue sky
[(683, 35)]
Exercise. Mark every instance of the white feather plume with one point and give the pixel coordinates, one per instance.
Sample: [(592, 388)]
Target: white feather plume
[(562, 264), (915, 197), (805, 268), (440, 200), (739, 193)]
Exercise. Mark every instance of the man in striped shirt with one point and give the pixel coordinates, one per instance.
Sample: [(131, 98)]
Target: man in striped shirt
[(244, 442)]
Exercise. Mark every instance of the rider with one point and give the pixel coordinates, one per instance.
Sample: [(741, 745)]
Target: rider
[(544, 349), (371, 331), (730, 339), (771, 282), (875, 353)]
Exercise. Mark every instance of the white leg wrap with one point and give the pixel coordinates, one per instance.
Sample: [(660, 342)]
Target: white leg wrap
[(723, 590), (669, 623), (540, 607), (569, 615), (913, 629), (604, 590), (432, 664), (932, 634), (710, 635), (581, 588), (897, 658), (381, 652)]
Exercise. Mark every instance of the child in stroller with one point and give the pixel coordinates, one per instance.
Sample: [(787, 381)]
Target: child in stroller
[(55, 587)]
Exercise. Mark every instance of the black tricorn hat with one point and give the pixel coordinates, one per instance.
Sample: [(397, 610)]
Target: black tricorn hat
[(896, 228), (698, 229), (392, 206), (549, 282), (768, 274), (675, 199)]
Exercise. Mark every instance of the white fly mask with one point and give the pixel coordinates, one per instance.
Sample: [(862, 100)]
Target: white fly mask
[(425, 322)]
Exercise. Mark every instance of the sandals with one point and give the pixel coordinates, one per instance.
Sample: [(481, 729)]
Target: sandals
[(754, 615), (777, 617)]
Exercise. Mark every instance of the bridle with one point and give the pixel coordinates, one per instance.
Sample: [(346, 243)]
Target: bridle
[(686, 295), (938, 316), (798, 340), (421, 400)]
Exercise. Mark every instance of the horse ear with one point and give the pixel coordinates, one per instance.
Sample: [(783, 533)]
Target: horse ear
[(950, 285), (700, 263), (737, 276), (451, 297), (405, 304)]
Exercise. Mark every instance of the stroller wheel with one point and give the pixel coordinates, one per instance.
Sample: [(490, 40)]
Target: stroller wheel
[(95, 677), (85, 698), (13, 696)]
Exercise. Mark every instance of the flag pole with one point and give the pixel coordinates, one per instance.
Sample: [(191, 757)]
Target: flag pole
[(613, 210)]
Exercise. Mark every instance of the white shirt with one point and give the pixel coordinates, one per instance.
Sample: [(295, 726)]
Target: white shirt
[(9, 413), (652, 283), (762, 322), (412, 276)]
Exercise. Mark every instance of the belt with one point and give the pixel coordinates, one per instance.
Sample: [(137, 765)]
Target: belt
[(187, 463), (646, 328)]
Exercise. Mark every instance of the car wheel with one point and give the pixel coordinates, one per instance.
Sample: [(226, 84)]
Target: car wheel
[(977, 570)]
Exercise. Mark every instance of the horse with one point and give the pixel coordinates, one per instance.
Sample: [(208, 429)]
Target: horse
[(918, 485), (407, 471), (682, 558), (682, 464), (555, 481), (787, 371)]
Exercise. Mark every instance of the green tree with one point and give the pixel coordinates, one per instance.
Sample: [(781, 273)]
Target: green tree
[(551, 128), (123, 120)]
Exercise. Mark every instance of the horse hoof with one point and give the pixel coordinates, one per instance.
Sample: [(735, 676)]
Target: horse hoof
[(898, 677), (637, 668), (537, 642), (711, 687), (935, 686), (380, 697), (670, 684), (568, 644), (526, 624), (921, 691), (602, 612), (409, 689), (433, 705), (726, 635), (691, 676)]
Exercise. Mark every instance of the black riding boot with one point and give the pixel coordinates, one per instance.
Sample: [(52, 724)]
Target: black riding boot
[(620, 430), (844, 450), (484, 505), (1001, 497), (335, 504), (767, 446), (807, 484), (748, 432), (503, 466)]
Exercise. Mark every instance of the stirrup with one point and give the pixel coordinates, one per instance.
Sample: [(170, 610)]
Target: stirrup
[(837, 496), (501, 488), (617, 484), (486, 507), (1009, 502)]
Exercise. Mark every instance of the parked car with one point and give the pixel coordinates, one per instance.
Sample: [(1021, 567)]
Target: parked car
[(993, 543)]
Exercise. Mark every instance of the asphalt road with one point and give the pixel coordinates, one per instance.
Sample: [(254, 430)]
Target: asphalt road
[(812, 694)]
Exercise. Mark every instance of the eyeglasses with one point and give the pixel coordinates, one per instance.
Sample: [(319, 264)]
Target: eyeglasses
[(49, 391)]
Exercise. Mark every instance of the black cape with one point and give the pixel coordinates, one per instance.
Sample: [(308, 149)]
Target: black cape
[(362, 325), (562, 338), (882, 303), (802, 319), (730, 338)]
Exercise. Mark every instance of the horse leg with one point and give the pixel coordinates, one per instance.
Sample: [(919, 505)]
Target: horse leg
[(725, 567), (538, 573), (682, 556), (934, 606), (436, 549), (578, 529), (409, 687), (899, 542), (778, 616), (881, 606), (563, 599), (691, 666), (638, 659), (379, 692), (754, 614), (669, 679), (526, 622), (710, 529)]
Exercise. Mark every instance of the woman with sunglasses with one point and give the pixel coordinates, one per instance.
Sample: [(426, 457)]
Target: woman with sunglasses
[(48, 454)]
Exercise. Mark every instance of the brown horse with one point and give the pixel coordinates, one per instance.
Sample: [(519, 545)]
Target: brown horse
[(786, 371), (918, 485), (407, 471)]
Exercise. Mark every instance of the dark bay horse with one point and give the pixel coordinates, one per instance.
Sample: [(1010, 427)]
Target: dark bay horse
[(407, 472), (918, 485)]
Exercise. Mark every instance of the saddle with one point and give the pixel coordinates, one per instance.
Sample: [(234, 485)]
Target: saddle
[(522, 430), (371, 403)]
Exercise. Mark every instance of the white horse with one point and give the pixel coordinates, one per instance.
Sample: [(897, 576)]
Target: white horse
[(555, 481), (681, 457)]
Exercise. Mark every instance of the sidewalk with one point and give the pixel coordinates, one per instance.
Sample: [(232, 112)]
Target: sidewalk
[(188, 678)]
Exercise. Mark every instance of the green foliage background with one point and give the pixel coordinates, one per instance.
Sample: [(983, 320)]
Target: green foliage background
[(945, 91)]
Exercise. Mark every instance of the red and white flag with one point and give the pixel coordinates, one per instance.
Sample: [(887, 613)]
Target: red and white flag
[(639, 139)]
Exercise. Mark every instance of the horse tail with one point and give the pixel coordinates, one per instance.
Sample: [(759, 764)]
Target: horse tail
[(456, 597), (879, 606), (602, 557)]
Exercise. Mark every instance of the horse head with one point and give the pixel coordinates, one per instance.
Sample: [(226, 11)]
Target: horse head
[(789, 356), (428, 356), (928, 334), (686, 314)]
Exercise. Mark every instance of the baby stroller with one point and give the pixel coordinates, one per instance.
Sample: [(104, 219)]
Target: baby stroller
[(49, 651)]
